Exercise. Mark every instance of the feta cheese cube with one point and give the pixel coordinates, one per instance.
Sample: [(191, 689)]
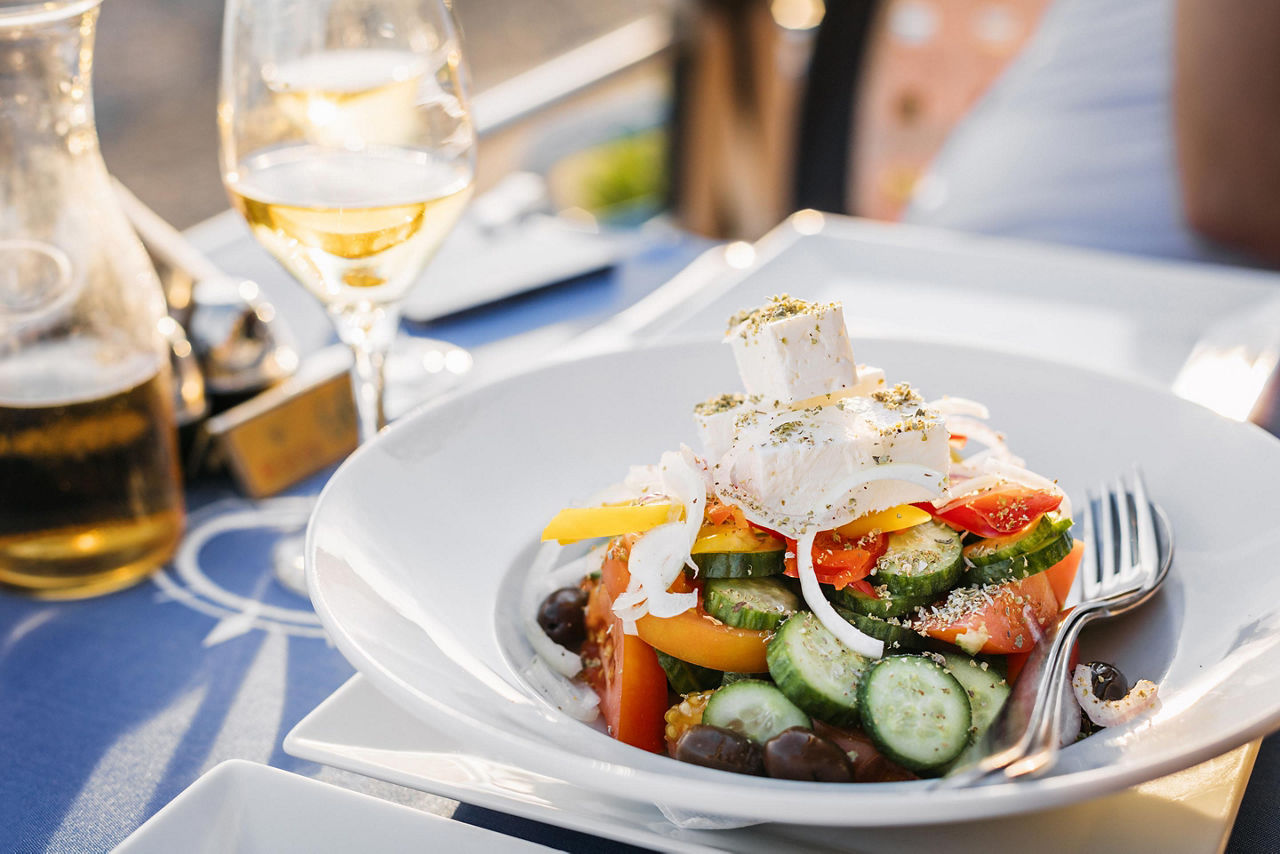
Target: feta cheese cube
[(715, 418), (869, 380), (785, 465), (790, 350), (806, 469), (899, 428)]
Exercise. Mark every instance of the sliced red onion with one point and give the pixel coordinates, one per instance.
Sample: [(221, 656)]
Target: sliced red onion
[(979, 432), (565, 662), (861, 643), (661, 553), (948, 405), (542, 580), (1070, 719), (575, 699), (1143, 697)]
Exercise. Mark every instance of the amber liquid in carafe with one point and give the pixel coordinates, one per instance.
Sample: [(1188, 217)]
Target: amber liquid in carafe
[(90, 500)]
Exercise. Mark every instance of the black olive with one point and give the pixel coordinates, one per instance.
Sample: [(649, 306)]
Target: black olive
[(1107, 682), (798, 754), (563, 618), (724, 749)]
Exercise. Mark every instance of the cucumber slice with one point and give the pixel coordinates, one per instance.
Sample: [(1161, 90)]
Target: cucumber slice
[(1022, 565), (897, 637), (730, 677), (921, 561), (915, 712), (816, 672), (883, 604), (750, 603), (754, 709), (740, 564), (988, 691), (996, 549), (686, 678), (986, 687)]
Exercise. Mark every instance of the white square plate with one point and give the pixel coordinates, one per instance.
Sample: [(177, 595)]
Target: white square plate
[(1118, 314), (397, 579), (248, 808), (359, 730)]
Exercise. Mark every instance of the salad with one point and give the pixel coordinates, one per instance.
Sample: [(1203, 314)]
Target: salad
[(840, 586)]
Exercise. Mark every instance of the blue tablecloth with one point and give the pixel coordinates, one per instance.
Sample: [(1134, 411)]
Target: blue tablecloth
[(110, 707)]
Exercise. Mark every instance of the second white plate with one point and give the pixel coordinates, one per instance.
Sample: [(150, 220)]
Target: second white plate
[(359, 730), (245, 807)]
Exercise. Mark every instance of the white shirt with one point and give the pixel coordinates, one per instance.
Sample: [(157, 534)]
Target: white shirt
[(1074, 142)]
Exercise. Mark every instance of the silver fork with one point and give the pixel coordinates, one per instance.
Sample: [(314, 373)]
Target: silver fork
[(1128, 551)]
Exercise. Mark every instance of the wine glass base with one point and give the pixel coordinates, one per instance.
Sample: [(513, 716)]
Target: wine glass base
[(289, 566), (418, 369)]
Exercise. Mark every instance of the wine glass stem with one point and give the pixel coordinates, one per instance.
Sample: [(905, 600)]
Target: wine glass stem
[(369, 331)]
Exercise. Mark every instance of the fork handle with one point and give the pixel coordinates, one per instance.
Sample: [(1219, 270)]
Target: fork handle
[(1043, 735), (1014, 732)]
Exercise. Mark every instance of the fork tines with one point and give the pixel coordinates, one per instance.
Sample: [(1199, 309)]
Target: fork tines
[(1121, 552)]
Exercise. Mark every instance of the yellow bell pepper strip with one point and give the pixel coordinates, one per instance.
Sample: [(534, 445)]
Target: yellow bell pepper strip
[(732, 535), (894, 519), (584, 523), (718, 538), (724, 529)]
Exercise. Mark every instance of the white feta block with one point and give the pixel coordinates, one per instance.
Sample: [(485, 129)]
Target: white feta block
[(869, 380), (807, 470), (786, 464), (790, 350), (715, 418), (899, 428)]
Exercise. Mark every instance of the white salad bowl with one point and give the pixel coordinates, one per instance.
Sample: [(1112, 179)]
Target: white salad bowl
[(418, 548)]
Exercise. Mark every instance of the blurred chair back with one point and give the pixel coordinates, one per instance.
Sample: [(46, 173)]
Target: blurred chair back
[(737, 75)]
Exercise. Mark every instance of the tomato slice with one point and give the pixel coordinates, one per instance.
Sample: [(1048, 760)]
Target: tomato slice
[(1004, 510), (694, 636), (1011, 622), (839, 561), (1014, 662), (864, 587), (626, 676), (717, 512), (1062, 575), (1059, 577)]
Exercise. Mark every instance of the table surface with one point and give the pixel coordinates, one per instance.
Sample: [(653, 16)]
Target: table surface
[(112, 706)]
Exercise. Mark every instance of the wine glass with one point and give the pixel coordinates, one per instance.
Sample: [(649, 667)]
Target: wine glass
[(347, 145)]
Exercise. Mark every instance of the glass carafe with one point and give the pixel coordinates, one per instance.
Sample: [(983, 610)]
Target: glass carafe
[(90, 491)]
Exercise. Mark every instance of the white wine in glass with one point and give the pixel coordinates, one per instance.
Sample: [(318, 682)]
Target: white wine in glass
[(348, 147), (352, 227)]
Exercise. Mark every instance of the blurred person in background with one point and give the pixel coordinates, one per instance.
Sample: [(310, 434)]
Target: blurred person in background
[(1145, 126)]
